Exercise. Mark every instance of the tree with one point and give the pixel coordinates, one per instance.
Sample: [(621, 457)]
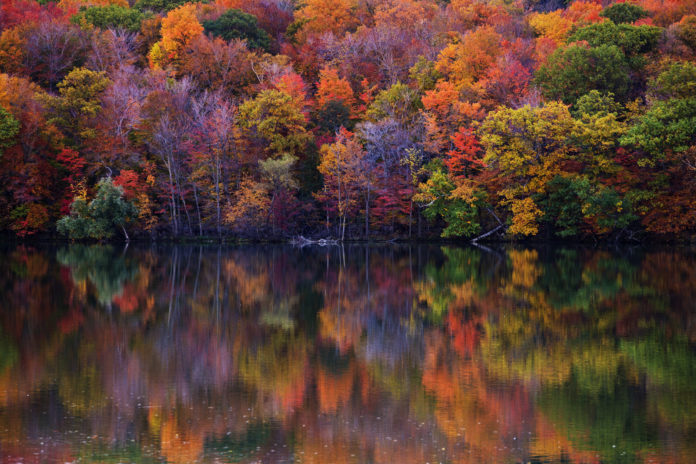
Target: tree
[(332, 88), (343, 170), (597, 131), (273, 118), (577, 69), (527, 147), (424, 74), (465, 61), (445, 113), (13, 43), (465, 158), (110, 16), (552, 25), (274, 17), (331, 116), (179, 28), (319, 16), (624, 12), (596, 103), (78, 103), (277, 173), (669, 125), (251, 205), (631, 40), (158, 5), (52, 50), (165, 127), (235, 24), (218, 65), (583, 12), (457, 202), (686, 30), (677, 81), (16, 12), (214, 155), (399, 102), (576, 205), (98, 218), (32, 187), (9, 128)]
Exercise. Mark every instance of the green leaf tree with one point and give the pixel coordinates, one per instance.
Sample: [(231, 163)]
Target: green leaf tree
[(577, 69), (9, 128), (624, 13), (632, 40), (669, 125), (110, 16), (457, 205), (99, 218), (235, 24)]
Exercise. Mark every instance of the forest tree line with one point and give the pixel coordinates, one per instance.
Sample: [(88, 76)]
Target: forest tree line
[(348, 118)]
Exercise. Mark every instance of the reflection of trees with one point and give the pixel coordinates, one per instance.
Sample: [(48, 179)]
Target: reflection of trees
[(670, 370), (8, 352), (611, 423), (369, 354), (103, 266)]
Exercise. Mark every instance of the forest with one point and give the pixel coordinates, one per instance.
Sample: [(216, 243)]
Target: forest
[(348, 119)]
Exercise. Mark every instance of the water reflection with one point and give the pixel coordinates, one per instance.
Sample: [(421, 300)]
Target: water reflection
[(363, 354)]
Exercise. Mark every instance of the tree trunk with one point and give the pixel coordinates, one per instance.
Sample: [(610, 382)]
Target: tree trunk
[(173, 197), (410, 218), (367, 212), (125, 233), (198, 211)]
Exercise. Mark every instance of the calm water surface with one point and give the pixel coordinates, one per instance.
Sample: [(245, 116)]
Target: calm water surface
[(362, 355)]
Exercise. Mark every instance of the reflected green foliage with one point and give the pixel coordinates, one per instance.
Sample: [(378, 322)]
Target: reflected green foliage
[(103, 266), (668, 362), (106, 455), (610, 423), (8, 352), (462, 267), (237, 448)]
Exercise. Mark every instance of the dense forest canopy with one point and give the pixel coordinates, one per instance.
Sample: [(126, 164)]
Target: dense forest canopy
[(348, 118)]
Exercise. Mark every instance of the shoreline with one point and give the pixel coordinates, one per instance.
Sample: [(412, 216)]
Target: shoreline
[(327, 242)]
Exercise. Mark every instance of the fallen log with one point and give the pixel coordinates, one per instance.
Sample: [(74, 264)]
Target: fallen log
[(303, 241), (490, 232)]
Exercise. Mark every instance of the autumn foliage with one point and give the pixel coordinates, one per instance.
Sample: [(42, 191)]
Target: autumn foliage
[(401, 118)]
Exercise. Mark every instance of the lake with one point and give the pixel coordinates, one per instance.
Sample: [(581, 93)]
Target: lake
[(360, 354)]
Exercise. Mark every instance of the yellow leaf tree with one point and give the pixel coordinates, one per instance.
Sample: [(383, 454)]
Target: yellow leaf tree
[(179, 28), (527, 147)]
